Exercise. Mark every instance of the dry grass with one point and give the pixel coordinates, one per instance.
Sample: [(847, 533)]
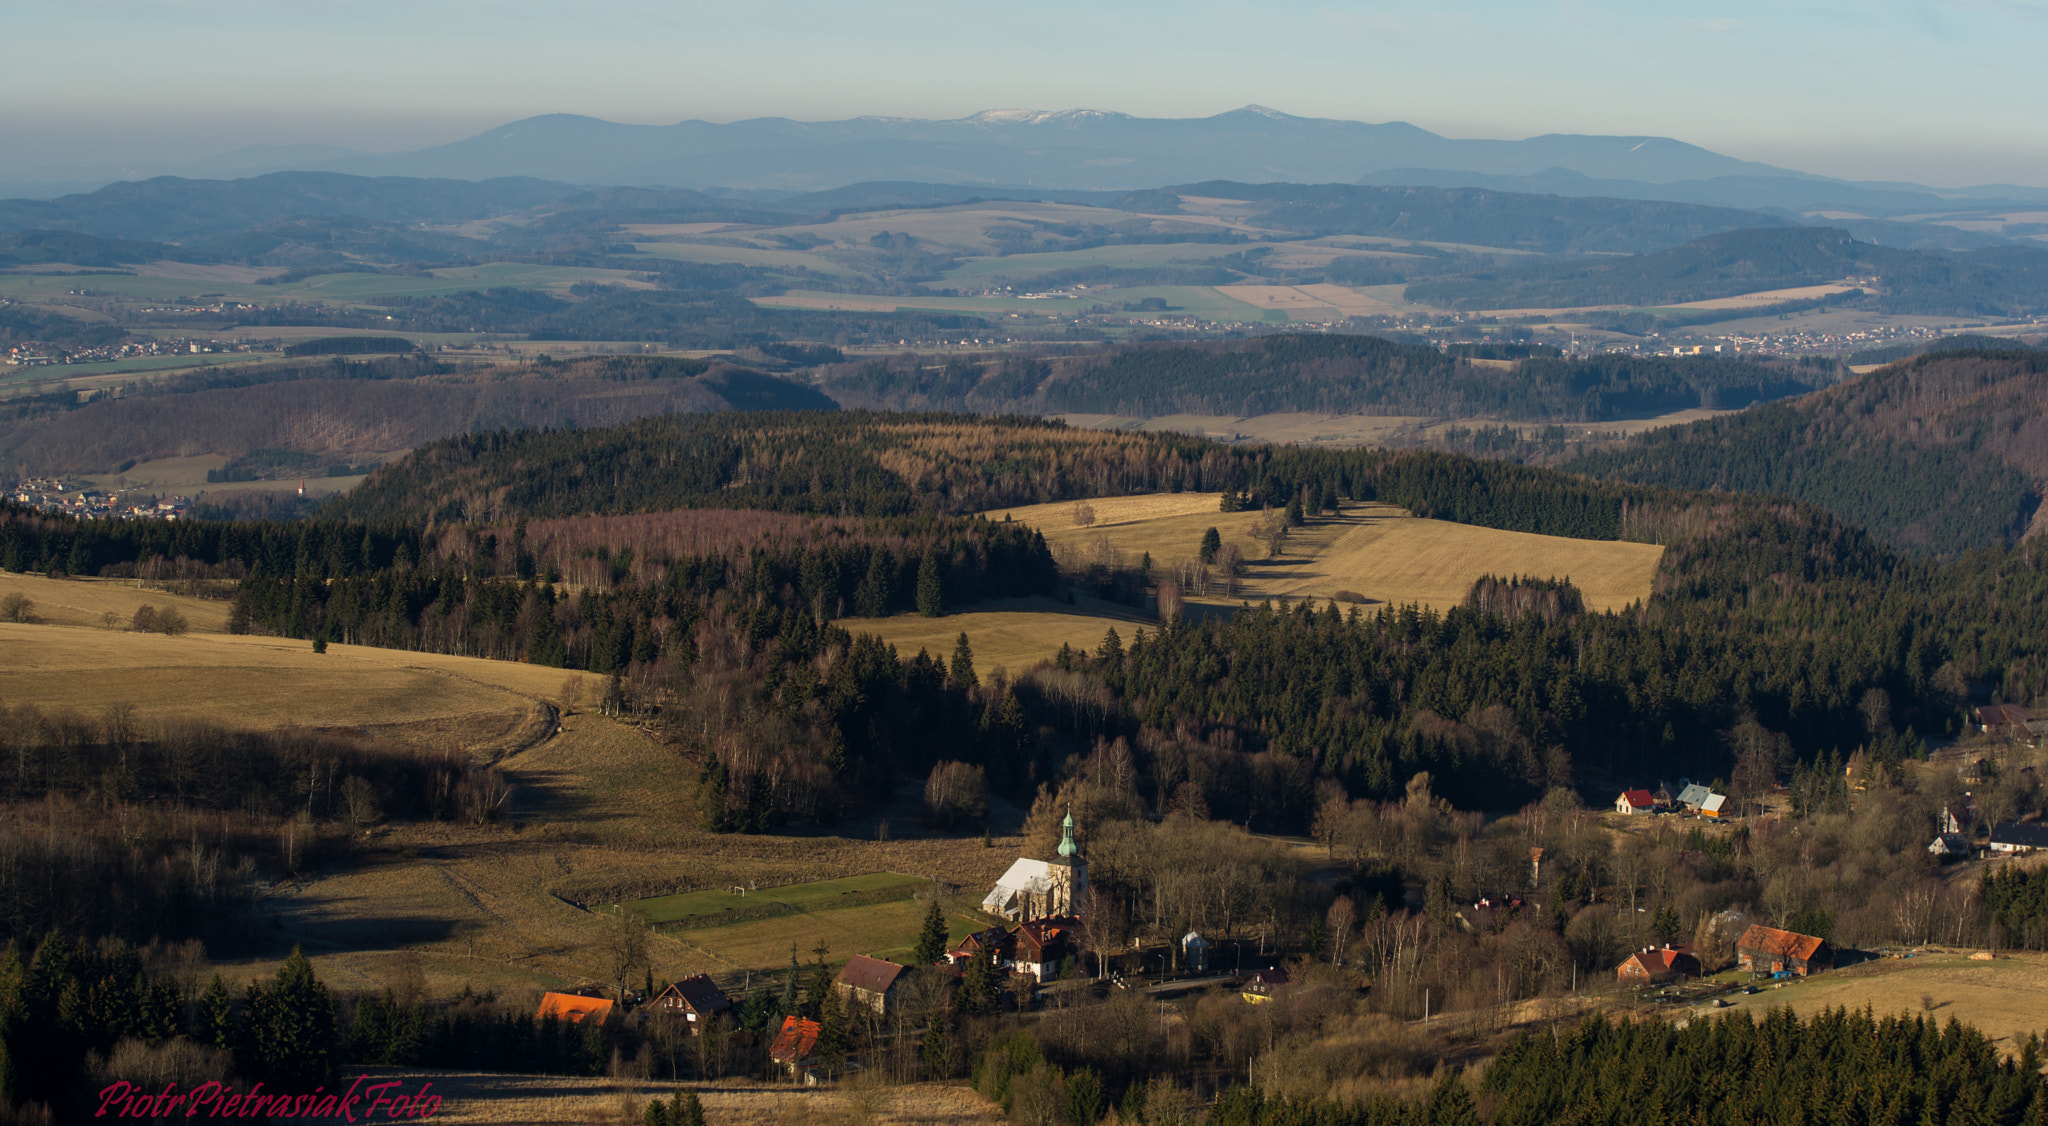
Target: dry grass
[(1377, 550), (1012, 634), (83, 602), (266, 681), (2006, 998), (472, 1097)]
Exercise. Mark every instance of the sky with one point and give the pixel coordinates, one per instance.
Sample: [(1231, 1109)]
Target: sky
[(1945, 94)]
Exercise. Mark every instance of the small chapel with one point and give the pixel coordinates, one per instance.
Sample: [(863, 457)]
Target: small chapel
[(1036, 889)]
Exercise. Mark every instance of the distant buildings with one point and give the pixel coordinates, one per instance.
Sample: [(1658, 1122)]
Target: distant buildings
[(1657, 965), (1763, 949)]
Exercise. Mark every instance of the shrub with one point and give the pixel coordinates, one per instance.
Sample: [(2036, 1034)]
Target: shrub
[(17, 607)]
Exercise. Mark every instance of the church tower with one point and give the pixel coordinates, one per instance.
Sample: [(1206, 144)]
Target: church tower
[(1068, 875)]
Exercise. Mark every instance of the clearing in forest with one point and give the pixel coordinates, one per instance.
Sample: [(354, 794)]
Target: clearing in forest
[(1375, 550), (1012, 634)]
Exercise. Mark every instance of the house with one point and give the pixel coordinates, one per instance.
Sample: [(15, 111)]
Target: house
[(1656, 965), (1039, 946), (2015, 839), (795, 1048), (869, 982), (2007, 721), (994, 943), (1635, 801), (697, 998), (1763, 949), (1194, 953), (1947, 845), (1663, 796), (1693, 795), (1265, 985), (1714, 806), (574, 1008)]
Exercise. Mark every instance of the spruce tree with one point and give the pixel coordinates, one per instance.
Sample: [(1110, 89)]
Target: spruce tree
[(871, 598), (931, 941), (217, 1015), (936, 1063), (1212, 542), (687, 1110), (930, 592), (961, 671), (296, 1042), (656, 1114)]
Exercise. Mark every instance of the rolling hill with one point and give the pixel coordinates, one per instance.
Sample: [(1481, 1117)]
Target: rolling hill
[(1996, 281), (1945, 452)]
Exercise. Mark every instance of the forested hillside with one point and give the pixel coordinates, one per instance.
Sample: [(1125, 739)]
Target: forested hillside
[(349, 411), (1997, 281), (1775, 634), (1946, 452), (1335, 374)]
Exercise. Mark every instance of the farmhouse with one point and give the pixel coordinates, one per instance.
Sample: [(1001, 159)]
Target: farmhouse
[(696, 998), (2014, 839), (574, 1008), (2006, 721), (1763, 949), (1693, 795), (869, 982), (1635, 801), (1949, 844), (1654, 966), (795, 1049), (1039, 946)]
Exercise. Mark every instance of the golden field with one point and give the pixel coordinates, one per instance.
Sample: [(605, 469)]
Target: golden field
[(1375, 550)]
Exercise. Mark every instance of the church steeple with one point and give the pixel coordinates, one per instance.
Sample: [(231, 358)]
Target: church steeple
[(1067, 846)]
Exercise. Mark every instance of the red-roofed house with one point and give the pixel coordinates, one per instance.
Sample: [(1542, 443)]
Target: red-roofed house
[(796, 1046), (994, 942), (869, 981), (1769, 950), (1655, 966), (1635, 801), (572, 1008), (1039, 946)]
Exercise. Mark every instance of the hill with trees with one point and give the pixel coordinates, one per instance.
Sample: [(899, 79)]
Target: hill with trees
[(1996, 281), (1335, 374), (1947, 452)]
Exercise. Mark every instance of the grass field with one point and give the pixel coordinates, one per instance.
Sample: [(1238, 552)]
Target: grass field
[(819, 895), (1375, 550), (1011, 634), (2007, 998), (551, 1100)]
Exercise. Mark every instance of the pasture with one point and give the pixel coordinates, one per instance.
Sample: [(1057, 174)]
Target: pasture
[(1012, 634), (2006, 997), (1376, 550), (553, 1100), (818, 895)]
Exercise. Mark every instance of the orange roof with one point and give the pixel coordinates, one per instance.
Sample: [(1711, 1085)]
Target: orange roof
[(574, 1008), (1783, 944), (797, 1040)]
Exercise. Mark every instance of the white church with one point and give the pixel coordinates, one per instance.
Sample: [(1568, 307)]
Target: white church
[(1035, 889)]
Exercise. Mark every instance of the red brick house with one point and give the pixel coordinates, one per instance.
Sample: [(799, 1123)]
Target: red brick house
[(1657, 965), (1764, 949)]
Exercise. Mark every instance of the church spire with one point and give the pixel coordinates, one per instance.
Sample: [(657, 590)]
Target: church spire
[(1067, 845)]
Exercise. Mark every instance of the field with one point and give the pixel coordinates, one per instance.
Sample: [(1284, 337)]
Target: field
[(2006, 997), (820, 895), (549, 1100), (1375, 550), (1011, 634)]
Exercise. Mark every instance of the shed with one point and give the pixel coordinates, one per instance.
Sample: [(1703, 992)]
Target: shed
[(1714, 806), (1194, 953)]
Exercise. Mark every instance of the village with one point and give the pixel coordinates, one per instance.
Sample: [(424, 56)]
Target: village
[(58, 496)]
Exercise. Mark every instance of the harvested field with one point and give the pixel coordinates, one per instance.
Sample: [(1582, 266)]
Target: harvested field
[(1376, 550), (1012, 634), (85, 602), (818, 895)]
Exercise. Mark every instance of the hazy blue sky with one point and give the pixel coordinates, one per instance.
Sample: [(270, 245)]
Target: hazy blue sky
[(1943, 93)]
